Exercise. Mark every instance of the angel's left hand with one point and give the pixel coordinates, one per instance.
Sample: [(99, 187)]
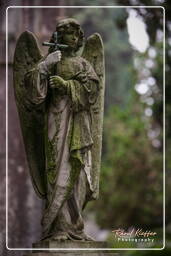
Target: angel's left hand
[(57, 82)]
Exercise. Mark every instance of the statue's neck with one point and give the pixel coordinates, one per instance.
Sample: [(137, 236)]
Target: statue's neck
[(68, 53)]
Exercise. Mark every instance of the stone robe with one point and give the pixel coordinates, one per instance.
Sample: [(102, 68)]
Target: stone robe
[(68, 142)]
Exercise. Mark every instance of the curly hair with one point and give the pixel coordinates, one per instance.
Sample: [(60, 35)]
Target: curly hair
[(62, 27)]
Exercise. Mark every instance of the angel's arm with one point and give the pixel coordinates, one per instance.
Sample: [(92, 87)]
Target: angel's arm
[(81, 88), (37, 78), (36, 85)]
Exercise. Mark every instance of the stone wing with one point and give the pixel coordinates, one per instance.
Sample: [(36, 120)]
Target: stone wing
[(94, 53), (27, 53)]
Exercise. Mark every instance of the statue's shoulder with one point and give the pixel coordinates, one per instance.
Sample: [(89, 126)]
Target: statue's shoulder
[(82, 60)]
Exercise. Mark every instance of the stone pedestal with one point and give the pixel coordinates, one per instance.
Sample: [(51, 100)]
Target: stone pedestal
[(73, 245)]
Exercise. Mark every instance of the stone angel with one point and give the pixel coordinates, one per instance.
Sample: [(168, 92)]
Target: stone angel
[(60, 99)]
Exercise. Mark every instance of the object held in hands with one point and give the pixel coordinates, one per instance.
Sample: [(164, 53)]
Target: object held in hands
[(55, 45)]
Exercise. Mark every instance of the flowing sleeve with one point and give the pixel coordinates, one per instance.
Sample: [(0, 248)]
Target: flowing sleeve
[(36, 84), (84, 94)]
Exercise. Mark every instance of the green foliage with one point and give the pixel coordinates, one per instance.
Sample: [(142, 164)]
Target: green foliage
[(131, 175)]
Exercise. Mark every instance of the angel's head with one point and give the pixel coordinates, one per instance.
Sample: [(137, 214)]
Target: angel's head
[(70, 33)]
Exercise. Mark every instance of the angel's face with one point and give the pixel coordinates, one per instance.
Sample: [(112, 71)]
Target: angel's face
[(71, 37)]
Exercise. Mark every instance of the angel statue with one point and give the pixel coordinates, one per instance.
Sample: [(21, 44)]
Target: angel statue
[(60, 104)]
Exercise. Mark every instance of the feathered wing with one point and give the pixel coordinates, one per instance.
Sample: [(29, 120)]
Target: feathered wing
[(27, 54), (94, 53)]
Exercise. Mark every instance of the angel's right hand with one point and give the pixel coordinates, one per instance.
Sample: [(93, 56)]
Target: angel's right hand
[(53, 58)]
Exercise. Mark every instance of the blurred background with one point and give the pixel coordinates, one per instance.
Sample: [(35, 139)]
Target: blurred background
[(131, 181)]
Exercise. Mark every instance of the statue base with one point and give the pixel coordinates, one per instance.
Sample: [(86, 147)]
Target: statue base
[(70, 245)]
